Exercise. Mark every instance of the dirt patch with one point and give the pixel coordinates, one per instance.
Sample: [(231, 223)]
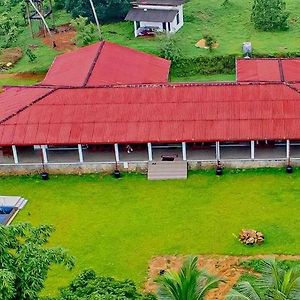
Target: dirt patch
[(202, 44), (64, 37), (226, 267), (9, 57), (24, 76)]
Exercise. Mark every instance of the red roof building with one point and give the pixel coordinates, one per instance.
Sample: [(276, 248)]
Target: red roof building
[(106, 63), (268, 70), (107, 94), (150, 113)]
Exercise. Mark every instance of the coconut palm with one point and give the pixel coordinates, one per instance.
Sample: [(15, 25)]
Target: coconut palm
[(274, 283), (189, 283)]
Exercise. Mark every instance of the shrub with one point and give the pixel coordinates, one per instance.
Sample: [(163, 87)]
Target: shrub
[(209, 41), (269, 15), (89, 286), (86, 31), (169, 48)]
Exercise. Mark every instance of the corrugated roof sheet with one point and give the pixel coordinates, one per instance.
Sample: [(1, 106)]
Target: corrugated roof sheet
[(14, 100), (119, 65), (158, 2), (291, 69), (268, 70), (151, 15), (106, 63), (256, 70), (167, 113)]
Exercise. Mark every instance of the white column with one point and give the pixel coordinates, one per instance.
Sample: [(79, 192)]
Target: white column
[(184, 151), (288, 149), (15, 154), (252, 150), (218, 152), (117, 154), (135, 28), (150, 155), (44, 152), (80, 153)]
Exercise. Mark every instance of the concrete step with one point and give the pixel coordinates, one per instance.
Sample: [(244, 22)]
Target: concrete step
[(160, 170)]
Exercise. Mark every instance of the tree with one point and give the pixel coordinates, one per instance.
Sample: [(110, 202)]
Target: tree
[(106, 10), (89, 286), (10, 23), (25, 262), (169, 48), (86, 31), (269, 15), (188, 284), (274, 283)]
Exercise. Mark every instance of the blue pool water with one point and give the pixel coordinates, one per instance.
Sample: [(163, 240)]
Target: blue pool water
[(5, 213)]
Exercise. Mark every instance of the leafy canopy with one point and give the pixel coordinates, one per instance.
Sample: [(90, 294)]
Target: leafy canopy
[(89, 286), (270, 15), (25, 262), (107, 10), (274, 283)]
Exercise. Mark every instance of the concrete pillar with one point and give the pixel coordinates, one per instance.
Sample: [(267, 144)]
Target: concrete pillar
[(80, 153), (15, 154), (135, 29), (117, 154), (218, 151), (252, 150), (150, 155), (184, 156), (44, 152), (288, 149)]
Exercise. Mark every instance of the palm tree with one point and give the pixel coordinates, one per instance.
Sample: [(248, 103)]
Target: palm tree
[(275, 283), (189, 283)]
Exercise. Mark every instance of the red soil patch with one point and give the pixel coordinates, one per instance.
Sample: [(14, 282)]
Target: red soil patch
[(226, 267), (64, 37)]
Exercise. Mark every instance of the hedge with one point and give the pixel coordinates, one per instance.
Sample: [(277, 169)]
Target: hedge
[(224, 64)]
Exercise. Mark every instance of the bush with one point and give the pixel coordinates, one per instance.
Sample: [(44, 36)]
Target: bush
[(169, 48), (86, 31), (89, 286), (209, 41), (204, 65), (269, 15)]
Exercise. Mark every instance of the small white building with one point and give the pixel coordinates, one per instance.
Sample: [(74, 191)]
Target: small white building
[(150, 16)]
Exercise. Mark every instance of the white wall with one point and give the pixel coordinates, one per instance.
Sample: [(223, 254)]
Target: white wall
[(173, 25)]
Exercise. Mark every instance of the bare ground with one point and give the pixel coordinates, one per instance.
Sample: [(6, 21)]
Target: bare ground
[(227, 267)]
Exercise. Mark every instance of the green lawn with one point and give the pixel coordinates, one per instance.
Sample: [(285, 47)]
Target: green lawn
[(229, 24), (204, 78), (116, 226)]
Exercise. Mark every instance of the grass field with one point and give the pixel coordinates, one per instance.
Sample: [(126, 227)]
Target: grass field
[(229, 24), (116, 226)]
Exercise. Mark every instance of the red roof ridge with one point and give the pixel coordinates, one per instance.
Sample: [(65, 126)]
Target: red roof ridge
[(88, 76)]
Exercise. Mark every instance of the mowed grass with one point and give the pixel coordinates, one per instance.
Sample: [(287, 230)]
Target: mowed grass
[(117, 226), (230, 25)]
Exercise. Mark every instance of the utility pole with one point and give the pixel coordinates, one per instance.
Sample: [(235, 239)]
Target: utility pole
[(96, 19)]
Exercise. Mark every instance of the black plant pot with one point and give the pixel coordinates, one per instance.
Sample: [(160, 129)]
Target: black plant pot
[(117, 174), (45, 176), (289, 169), (219, 171)]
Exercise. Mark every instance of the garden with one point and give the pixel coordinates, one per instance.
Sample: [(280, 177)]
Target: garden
[(117, 227)]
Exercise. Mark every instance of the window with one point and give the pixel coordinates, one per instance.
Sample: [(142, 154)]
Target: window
[(177, 19)]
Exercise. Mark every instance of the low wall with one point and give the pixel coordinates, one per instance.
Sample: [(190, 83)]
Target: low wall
[(139, 167)]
